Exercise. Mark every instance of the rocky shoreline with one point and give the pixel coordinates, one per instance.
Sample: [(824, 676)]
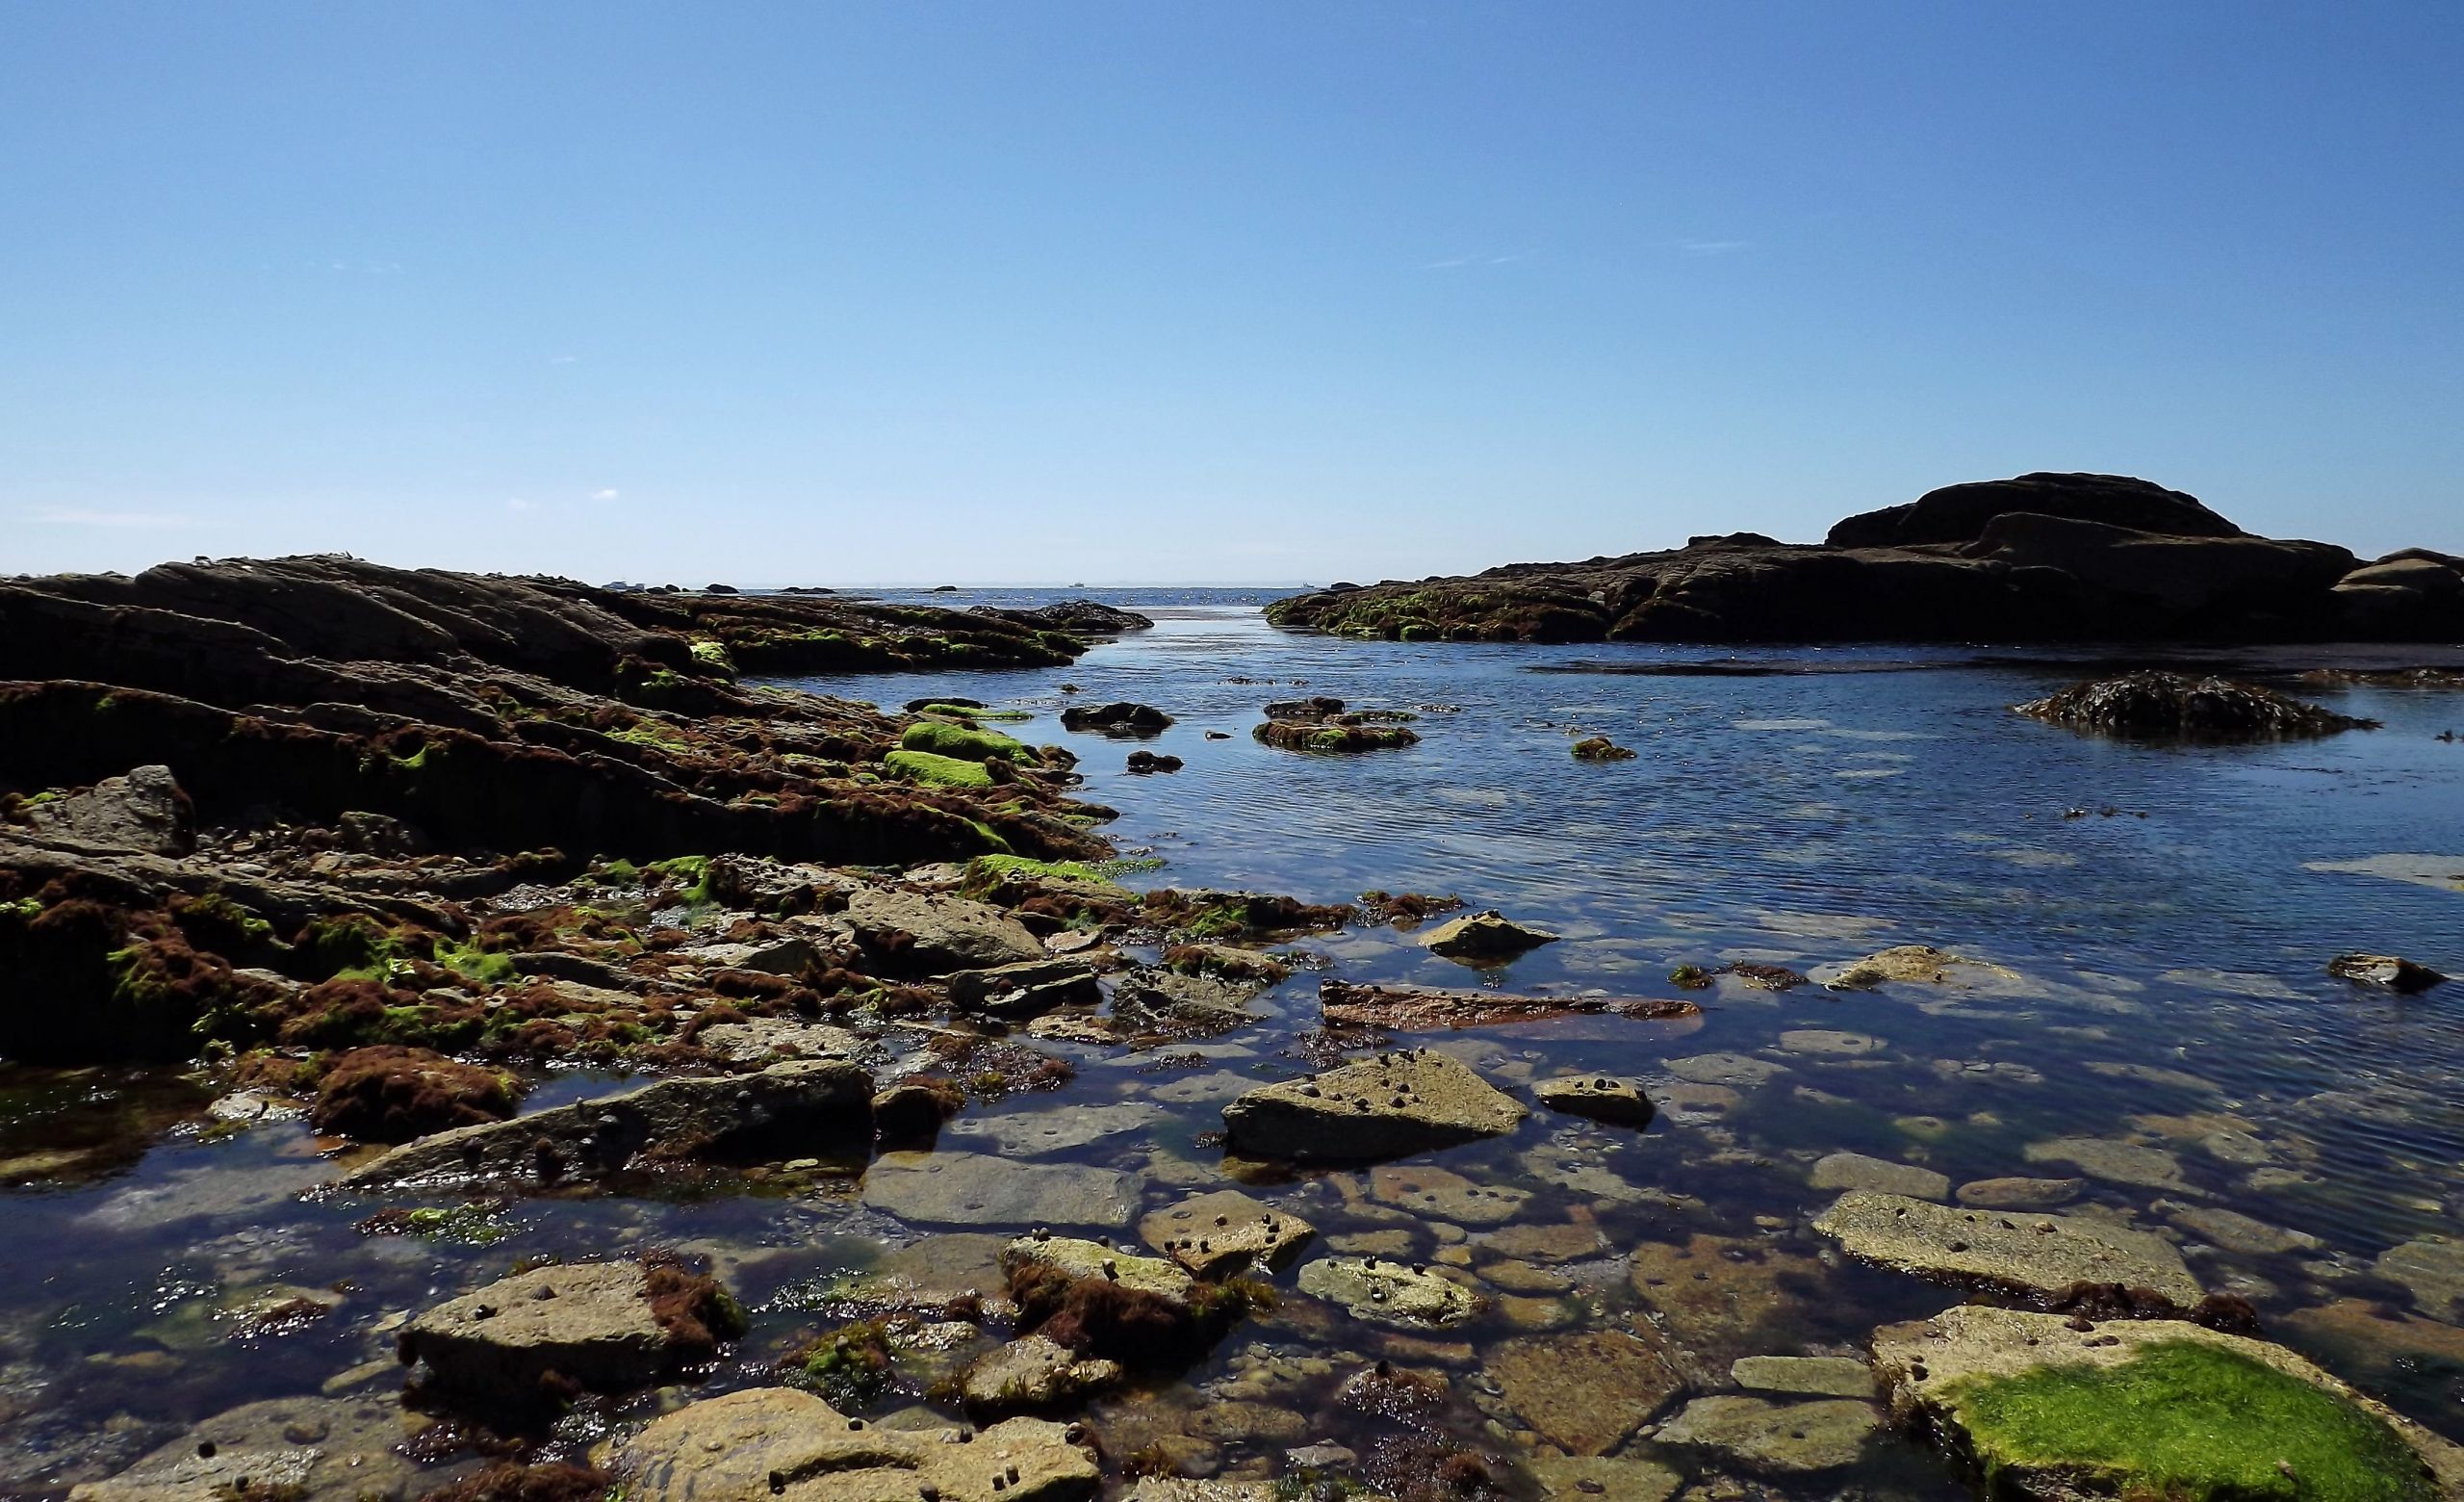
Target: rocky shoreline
[(2040, 557), (390, 850)]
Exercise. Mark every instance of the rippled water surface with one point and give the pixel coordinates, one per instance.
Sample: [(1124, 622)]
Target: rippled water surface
[(2160, 913)]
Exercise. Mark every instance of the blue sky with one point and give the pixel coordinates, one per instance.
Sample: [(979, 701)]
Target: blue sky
[(1204, 292)]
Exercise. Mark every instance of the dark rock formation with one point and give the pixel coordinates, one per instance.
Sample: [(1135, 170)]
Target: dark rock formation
[(2168, 705), (2042, 557), (1121, 719), (1079, 617)]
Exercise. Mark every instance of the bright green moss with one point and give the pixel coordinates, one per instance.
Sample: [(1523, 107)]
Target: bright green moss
[(943, 739), (2188, 1422), (487, 969), (692, 873), (655, 737), (945, 771), (963, 713), (711, 653)]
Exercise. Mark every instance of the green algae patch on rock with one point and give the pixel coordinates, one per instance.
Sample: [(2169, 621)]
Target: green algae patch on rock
[(2151, 1409), (935, 770), (941, 737)]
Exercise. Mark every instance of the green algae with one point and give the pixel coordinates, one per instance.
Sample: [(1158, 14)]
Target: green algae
[(2188, 1422), (962, 712), (945, 771), (691, 872), (941, 737)]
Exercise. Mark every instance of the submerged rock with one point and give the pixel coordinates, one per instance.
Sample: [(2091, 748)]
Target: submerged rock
[(1724, 1298), (1586, 1392), (1804, 1376), (2202, 708), (2133, 1407), (2025, 1252), (1599, 748), (975, 1189), (1857, 1170), (1485, 936), (1780, 1438), (1032, 1373), (2020, 1194), (1603, 1097), (776, 1442), (2385, 970), (1430, 1008), (1384, 1107), (782, 1112), (1387, 1292), (1916, 963)]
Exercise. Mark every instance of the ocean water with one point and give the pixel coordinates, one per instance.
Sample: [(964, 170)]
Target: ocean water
[(2157, 921)]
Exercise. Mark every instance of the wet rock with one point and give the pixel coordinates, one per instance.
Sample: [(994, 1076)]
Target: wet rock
[(1212, 1234), (1857, 1170), (1804, 1376), (782, 1111), (2433, 1269), (2384, 971), (1388, 1106), (1181, 1489), (1386, 1292), (2169, 705), (762, 1040), (312, 1449), (1061, 1129), (930, 933), (1601, 1098), (599, 1326), (2235, 1231), (1917, 964), (1775, 1439), (791, 956), (1939, 1373), (974, 1189), (776, 1442), (1146, 762), (1033, 1373), (936, 1272), (1078, 617), (143, 811), (1485, 936), (1724, 1298), (389, 1093), (1599, 748), (1544, 1241), (1628, 1478), (1691, 1104), (1444, 1195), (1025, 989), (2376, 1347), (1121, 718), (1735, 1071), (2026, 1253), (1585, 1392), (2116, 1162), (2020, 1194), (1829, 1043)]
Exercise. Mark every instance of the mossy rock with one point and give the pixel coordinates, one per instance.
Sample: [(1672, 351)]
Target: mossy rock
[(941, 737), (943, 771)]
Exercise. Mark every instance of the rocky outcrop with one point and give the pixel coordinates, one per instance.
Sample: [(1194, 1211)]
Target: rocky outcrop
[(600, 1327), (2170, 706), (787, 1110), (1386, 1107), (765, 1443), (1482, 938), (2041, 557)]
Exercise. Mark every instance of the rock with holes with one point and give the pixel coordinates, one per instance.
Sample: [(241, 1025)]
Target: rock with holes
[(787, 1110), (2028, 1253), (1775, 1439), (520, 1338), (1388, 1106), (1224, 1232), (1387, 1292), (765, 1443), (1603, 1097), (311, 1448), (1032, 1373)]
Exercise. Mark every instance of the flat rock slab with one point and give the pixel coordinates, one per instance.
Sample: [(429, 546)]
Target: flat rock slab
[(340, 1448), (1390, 1106), (1782, 1438), (1025, 989), (1032, 1373), (763, 1038), (1601, 1098), (1734, 1071), (1586, 1392), (1443, 1195), (2433, 1269), (2114, 1161), (1075, 1258), (2032, 1253), (976, 1189), (1056, 1129), (1626, 1477), (782, 1112), (1224, 1232), (587, 1322), (1387, 1292), (2020, 1194), (1804, 1376), (1935, 1368), (1829, 1043), (927, 933), (1857, 1170), (766, 1443)]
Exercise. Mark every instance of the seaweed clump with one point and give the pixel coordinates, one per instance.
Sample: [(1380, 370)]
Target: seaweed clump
[(393, 1094), (2172, 706)]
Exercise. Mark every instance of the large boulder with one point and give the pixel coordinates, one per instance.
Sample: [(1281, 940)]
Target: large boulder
[(2023, 1253), (787, 1110), (2057, 1408), (1960, 513), (603, 1326), (2162, 705), (767, 1443), (143, 811), (2171, 577), (1384, 1107), (930, 934)]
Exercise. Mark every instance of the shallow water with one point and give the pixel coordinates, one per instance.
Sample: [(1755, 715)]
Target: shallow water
[(2158, 907)]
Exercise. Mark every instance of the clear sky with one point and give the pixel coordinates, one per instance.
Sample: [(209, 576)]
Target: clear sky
[(1164, 292)]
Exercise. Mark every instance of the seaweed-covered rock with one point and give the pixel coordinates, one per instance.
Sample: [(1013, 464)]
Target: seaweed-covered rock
[(1388, 1106), (1333, 736), (392, 1094), (787, 1110), (765, 1443), (1599, 748), (2023, 1252), (1088, 1296), (2149, 1408), (2171, 704), (1121, 719)]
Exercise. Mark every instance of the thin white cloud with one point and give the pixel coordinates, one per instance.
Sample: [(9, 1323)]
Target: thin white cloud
[(603, 495), (80, 516), (516, 503)]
